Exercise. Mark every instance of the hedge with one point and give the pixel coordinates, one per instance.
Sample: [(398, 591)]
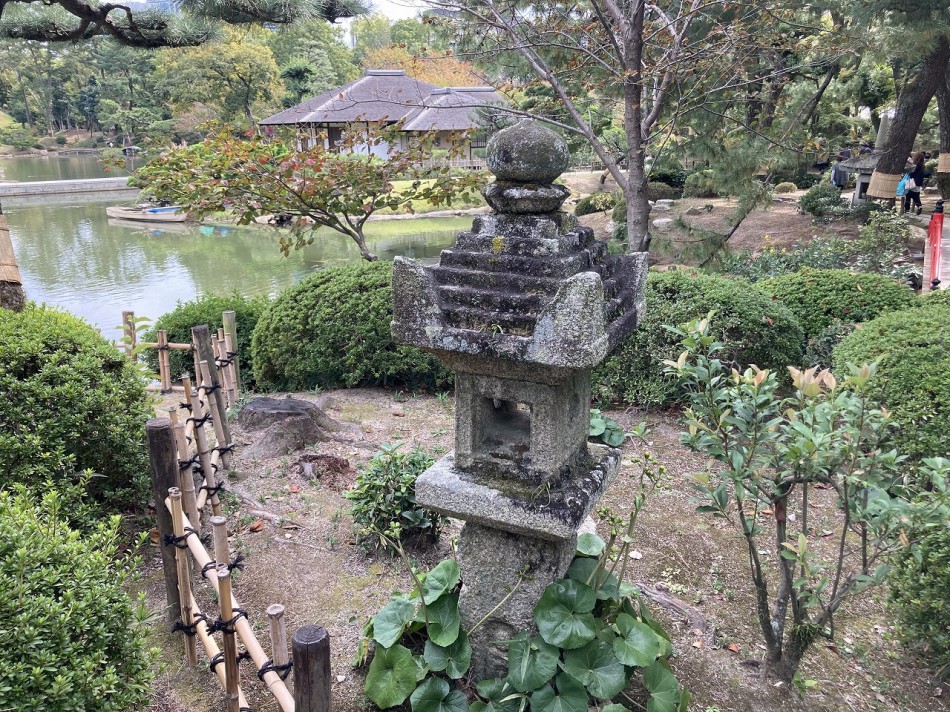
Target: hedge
[(913, 379), (753, 327), (332, 329), (820, 297), (70, 402), (207, 309)]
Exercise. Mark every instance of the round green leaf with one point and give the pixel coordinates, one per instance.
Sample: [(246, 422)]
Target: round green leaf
[(495, 690), (444, 620), (590, 544), (564, 614), (454, 659), (391, 676), (581, 569), (596, 667), (663, 687), (570, 697), (597, 427), (391, 621), (637, 645), (442, 579), (435, 695), (614, 708), (531, 662)]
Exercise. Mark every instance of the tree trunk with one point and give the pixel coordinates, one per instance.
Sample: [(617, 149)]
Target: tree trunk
[(911, 106), (943, 110), (638, 206), (365, 253), (784, 667)]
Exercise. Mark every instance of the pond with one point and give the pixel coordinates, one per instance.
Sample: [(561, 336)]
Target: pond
[(72, 256), (30, 168)]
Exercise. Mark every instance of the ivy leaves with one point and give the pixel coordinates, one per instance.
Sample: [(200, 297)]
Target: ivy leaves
[(564, 615), (391, 677)]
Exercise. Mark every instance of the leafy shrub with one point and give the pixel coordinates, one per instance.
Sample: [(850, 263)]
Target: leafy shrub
[(619, 231), (818, 298), (71, 401), (19, 138), (594, 203), (913, 378), (675, 177), (786, 187), (606, 428), (754, 328), (805, 180), (701, 184), (332, 329), (940, 297), (823, 200), (207, 309), (384, 498), (820, 349), (657, 190), (65, 638)]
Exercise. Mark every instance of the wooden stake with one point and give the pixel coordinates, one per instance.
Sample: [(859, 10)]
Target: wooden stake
[(186, 477), (222, 554), (201, 336), (128, 329), (311, 645), (229, 319), (214, 406), (184, 575), (278, 635), (230, 642), (212, 649), (163, 461), (164, 361), (235, 374), (201, 443)]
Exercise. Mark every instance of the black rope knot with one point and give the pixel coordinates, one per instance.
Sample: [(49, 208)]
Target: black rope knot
[(180, 542), (200, 421), (186, 406), (282, 670), (208, 390), (166, 347), (185, 464), (227, 626), (237, 563), (242, 656), (190, 630), (225, 449), (212, 491)]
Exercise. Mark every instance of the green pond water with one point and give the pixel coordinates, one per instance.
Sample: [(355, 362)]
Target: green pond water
[(71, 255), (32, 168)]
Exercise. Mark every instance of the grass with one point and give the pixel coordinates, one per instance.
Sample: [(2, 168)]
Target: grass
[(420, 207), (6, 121)]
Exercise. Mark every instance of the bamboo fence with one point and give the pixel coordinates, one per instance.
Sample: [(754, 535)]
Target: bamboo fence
[(173, 466)]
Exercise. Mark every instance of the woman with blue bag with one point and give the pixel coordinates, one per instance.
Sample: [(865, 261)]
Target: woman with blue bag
[(912, 182)]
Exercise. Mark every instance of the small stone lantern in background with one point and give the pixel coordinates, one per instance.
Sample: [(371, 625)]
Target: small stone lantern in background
[(521, 308)]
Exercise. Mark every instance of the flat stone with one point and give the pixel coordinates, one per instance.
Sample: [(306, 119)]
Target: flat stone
[(693, 211), (527, 152), (663, 223), (514, 198), (666, 201), (660, 208)]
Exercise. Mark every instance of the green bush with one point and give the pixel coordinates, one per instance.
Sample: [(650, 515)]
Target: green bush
[(657, 190), (70, 402), (675, 177), (823, 200), (384, 499), (820, 349), (332, 329), (786, 187), (820, 297), (594, 203), (913, 378), (754, 328), (940, 297), (207, 309), (66, 639), (701, 184)]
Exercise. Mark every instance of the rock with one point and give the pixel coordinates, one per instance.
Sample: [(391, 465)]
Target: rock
[(660, 208), (287, 425), (693, 211), (666, 201), (527, 152), (516, 198), (663, 223)]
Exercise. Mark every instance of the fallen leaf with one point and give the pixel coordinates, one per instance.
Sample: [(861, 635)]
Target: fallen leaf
[(697, 631), (399, 414), (734, 647), (767, 511), (257, 526), (294, 489), (636, 555), (153, 536), (697, 644)]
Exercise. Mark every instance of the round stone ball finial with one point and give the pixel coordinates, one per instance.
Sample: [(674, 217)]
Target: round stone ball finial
[(527, 153)]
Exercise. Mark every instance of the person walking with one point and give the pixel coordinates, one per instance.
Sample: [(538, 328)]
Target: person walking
[(916, 171)]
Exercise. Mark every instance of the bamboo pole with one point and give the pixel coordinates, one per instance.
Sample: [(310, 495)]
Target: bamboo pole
[(212, 650), (278, 635), (222, 554), (185, 475), (229, 319), (164, 362), (214, 406), (235, 373), (171, 345), (128, 330), (184, 576), (202, 498), (276, 686), (201, 335), (201, 443), (230, 641), (227, 375)]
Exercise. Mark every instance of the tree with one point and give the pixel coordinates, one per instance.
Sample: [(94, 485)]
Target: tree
[(318, 187), (192, 22), (371, 32), (443, 70)]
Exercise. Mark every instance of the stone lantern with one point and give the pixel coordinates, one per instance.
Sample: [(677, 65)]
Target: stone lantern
[(521, 308)]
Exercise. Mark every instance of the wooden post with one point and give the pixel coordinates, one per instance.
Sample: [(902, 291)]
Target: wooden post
[(229, 319), (184, 576), (128, 329), (227, 375), (222, 554), (230, 642), (278, 635), (214, 407), (311, 646), (163, 461), (201, 443), (12, 296), (164, 361), (201, 336), (186, 477)]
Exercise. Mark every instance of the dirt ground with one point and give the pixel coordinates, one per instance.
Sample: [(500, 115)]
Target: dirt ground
[(309, 562)]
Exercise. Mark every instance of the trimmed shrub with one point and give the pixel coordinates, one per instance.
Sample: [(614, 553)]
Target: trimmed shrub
[(332, 329), (940, 297), (820, 349), (594, 203), (675, 177), (823, 200), (786, 187), (913, 378), (65, 637), (207, 309), (753, 327), (701, 184), (820, 297), (70, 402), (657, 190)]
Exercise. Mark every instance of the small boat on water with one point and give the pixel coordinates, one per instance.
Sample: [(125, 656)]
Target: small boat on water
[(148, 213)]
